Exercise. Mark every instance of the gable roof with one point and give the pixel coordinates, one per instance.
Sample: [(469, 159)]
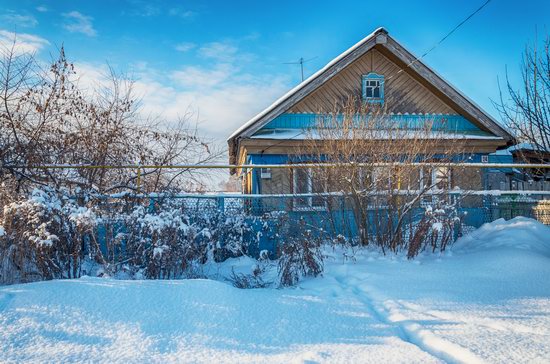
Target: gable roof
[(412, 65)]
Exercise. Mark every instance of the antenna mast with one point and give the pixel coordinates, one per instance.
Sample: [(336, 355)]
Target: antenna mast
[(301, 62)]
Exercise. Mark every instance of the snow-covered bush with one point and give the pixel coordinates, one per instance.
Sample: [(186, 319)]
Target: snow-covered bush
[(167, 239), (300, 254), (160, 243), (436, 229), (43, 237), (256, 279)]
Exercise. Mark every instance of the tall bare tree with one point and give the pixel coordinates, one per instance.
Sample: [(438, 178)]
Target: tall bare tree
[(525, 108), (372, 158), (46, 118)]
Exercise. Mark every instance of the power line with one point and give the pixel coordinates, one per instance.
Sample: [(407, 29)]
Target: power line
[(455, 28), (442, 39), (301, 61)]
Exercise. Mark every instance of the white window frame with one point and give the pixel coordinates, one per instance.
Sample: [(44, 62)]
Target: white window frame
[(365, 84), (309, 200), (433, 177)]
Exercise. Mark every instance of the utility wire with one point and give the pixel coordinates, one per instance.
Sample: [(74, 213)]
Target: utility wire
[(408, 65), (442, 39)]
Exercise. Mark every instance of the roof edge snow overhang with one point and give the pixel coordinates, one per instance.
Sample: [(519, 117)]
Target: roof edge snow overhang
[(389, 47)]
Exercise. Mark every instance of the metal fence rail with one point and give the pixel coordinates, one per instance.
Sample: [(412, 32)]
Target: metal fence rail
[(481, 206), (270, 218)]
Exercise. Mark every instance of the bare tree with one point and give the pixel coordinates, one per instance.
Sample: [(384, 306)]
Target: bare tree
[(526, 108), (373, 166), (45, 118)]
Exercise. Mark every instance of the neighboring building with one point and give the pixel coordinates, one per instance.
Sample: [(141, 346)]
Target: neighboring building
[(535, 179), (378, 69)]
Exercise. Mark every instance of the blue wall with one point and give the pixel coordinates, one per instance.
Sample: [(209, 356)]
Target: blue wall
[(439, 122)]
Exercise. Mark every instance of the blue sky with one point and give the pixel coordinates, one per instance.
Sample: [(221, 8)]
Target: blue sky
[(223, 61)]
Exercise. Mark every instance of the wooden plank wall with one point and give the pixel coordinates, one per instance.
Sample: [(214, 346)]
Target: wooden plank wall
[(403, 94)]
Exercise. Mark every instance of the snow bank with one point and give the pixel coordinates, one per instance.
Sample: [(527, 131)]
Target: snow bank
[(519, 233)]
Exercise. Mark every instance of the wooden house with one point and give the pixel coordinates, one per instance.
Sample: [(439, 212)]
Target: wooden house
[(376, 70)]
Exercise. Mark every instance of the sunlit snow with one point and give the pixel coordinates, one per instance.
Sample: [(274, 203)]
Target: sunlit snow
[(487, 300)]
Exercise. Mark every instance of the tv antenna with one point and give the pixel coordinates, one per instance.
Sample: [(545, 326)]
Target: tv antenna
[(301, 62)]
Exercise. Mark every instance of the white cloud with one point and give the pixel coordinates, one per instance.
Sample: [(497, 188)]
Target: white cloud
[(41, 9), (26, 21), (222, 98), (220, 51), (223, 109), (79, 23), (91, 76), (201, 77), (144, 8), (185, 46), (21, 42)]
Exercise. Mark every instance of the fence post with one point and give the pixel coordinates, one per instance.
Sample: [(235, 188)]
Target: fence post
[(221, 203)]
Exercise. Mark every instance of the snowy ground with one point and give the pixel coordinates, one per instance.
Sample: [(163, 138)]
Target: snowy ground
[(486, 301)]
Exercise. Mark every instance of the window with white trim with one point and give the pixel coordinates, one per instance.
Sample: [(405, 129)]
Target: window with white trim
[(308, 181), (438, 178), (441, 178), (373, 87)]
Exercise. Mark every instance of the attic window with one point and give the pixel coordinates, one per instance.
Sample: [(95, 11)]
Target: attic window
[(373, 87)]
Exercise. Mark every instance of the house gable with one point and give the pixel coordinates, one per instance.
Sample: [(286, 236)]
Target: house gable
[(439, 94), (403, 93)]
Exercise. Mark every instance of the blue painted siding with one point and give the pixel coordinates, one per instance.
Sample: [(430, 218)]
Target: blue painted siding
[(286, 158), (440, 122)]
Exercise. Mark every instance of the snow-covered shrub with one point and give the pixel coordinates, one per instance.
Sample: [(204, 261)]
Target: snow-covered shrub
[(224, 231), (436, 229), (44, 237), (256, 279), (168, 239), (300, 254), (160, 242)]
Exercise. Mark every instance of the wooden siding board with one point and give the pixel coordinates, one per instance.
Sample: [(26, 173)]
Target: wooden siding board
[(404, 93)]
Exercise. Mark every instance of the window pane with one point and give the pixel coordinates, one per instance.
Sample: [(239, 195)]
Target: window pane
[(302, 184), (441, 177), (317, 186), (368, 91), (376, 92), (301, 181)]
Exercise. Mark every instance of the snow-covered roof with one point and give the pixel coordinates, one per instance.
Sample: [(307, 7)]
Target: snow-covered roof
[(379, 36), (305, 82), (527, 147)]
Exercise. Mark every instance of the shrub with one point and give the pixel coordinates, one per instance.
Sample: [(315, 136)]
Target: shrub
[(436, 229), (169, 239), (300, 255), (43, 237), (257, 278)]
